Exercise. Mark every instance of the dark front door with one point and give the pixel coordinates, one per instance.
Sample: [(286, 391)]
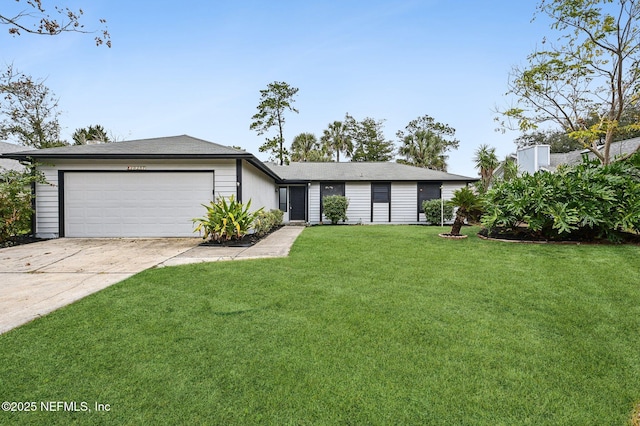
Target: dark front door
[(297, 203)]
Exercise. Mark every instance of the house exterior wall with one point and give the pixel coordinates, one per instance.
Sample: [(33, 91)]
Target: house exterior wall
[(404, 203), (47, 203), (359, 196), (259, 188)]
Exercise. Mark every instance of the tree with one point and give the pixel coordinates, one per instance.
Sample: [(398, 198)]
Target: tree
[(336, 138), (29, 110), (369, 141), (486, 162), (466, 202), (274, 101), (90, 134), (424, 143), (305, 147), (593, 72), (31, 17)]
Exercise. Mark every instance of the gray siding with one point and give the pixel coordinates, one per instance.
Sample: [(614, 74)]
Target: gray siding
[(359, 196), (259, 188), (404, 202)]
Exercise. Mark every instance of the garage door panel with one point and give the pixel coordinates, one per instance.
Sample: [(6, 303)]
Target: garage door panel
[(120, 204)]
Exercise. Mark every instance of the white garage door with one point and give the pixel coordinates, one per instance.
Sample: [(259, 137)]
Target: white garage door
[(134, 204)]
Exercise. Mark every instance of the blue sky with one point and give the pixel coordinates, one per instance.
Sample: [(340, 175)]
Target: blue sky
[(196, 67)]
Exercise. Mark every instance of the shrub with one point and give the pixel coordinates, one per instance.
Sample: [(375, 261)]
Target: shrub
[(226, 220), (15, 202), (466, 202), (433, 211), (335, 208), (584, 201), (266, 221)]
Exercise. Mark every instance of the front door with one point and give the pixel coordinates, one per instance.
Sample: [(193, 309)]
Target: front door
[(297, 203)]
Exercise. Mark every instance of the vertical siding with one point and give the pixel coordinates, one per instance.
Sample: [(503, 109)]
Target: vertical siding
[(47, 224), (404, 202), (259, 188), (314, 202), (359, 196)]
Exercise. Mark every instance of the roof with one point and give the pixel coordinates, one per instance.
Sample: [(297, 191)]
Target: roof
[(167, 147), (361, 171), (172, 147), (7, 163), (575, 157)]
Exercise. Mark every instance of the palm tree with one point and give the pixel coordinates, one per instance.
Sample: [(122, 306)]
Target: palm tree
[(336, 139), (466, 201), (486, 161), (424, 149), (304, 146)]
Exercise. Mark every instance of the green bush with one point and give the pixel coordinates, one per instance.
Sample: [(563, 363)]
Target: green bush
[(585, 201), (15, 202), (335, 208), (266, 221), (226, 220), (433, 211)]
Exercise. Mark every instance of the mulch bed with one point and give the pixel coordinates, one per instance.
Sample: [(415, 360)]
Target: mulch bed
[(246, 241), (20, 240), (527, 236)]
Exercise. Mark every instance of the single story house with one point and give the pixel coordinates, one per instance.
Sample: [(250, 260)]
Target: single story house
[(155, 187)]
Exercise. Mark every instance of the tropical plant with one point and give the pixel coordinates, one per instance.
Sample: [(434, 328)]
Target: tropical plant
[(226, 219), (424, 143), (435, 211), (336, 138), (486, 162), (267, 220), (586, 201), (335, 208), (15, 202), (305, 147), (274, 101), (466, 202)]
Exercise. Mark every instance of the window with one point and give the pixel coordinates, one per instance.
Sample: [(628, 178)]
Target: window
[(282, 198), (381, 192), (332, 188), (428, 191)]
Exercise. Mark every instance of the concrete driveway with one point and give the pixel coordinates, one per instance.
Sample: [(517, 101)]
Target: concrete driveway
[(38, 278)]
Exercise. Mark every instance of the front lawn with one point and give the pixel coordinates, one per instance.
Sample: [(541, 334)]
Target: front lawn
[(360, 325)]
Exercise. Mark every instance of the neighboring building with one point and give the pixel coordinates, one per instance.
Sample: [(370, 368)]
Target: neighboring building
[(155, 187), (538, 157), (7, 164)]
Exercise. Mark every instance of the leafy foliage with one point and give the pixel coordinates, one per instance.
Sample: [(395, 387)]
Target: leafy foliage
[(369, 143), (424, 143), (335, 208), (587, 83), (30, 111), (226, 220), (584, 201), (433, 211), (15, 202), (90, 134), (274, 101), (486, 162), (266, 221)]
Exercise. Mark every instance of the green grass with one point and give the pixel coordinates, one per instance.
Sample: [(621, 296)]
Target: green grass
[(360, 325)]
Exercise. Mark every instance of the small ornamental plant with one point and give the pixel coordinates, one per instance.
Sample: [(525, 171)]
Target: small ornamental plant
[(226, 220), (335, 208)]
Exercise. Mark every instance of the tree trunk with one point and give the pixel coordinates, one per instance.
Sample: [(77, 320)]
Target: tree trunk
[(457, 224)]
